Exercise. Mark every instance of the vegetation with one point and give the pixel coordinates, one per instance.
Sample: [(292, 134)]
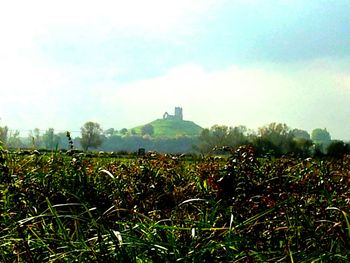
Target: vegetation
[(172, 128), (63, 208), (147, 129), (3, 135), (221, 136), (91, 135), (321, 138), (177, 136), (50, 139), (131, 143)]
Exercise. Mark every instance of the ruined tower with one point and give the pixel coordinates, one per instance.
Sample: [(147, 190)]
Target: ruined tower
[(178, 113)]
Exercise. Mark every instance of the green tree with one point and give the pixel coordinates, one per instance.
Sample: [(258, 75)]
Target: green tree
[(337, 149), (300, 134), (219, 136), (133, 132), (62, 140), (91, 135), (302, 147), (109, 132), (276, 138), (14, 141), (3, 135), (50, 139), (321, 138), (147, 129), (124, 131), (215, 137), (35, 138), (303, 143), (276, 132), (238, 136)]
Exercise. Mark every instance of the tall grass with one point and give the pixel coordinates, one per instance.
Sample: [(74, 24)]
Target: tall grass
[(61, 208)]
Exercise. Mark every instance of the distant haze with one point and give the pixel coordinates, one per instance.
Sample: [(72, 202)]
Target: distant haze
[(124, 63)]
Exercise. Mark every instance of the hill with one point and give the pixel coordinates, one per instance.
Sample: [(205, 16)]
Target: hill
[(172, 128)]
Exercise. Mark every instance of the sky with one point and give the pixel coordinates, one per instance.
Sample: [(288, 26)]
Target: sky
[(124, 63)]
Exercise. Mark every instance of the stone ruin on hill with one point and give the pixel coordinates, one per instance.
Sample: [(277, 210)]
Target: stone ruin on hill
[(178, 115)]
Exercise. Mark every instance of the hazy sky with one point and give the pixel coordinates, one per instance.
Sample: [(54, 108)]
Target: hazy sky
[(124, 63)]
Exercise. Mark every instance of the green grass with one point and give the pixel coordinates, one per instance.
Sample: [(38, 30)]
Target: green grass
[(173, 128), (58, 208)]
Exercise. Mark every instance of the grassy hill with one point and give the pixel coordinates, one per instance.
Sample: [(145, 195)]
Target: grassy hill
[(172, 128)]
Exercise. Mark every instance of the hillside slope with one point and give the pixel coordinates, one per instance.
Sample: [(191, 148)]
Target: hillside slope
[(173, 128)]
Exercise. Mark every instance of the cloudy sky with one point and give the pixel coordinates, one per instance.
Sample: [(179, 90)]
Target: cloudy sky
[(124, 63)]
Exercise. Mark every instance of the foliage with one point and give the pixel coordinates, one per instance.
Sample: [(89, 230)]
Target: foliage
[(276, 137), (109, 132), (118, 143), (35, 138), (321, 138), (3, 135), (320, 135), (162, 208), (302, 147), (50, 139), (91, 135), (62, 140), (338, 149), (147, 129), (124, 131), (172, 128), (301, 134), (219, 136), (14, 140)]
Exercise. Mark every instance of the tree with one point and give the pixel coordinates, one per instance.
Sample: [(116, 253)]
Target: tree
[(35, 138), (322, 138), (91, 135), (337, 149), (123, 131), (14, 141), (219, 136), (302, 147), (303, 143), (109, 132), (50, 139), (274, 131), (3, 135), (276, 138), (238, 136), (301, 134), (62, 140), (147, 129)]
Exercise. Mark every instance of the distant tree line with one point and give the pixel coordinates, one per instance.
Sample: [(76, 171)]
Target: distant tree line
[(274, 139)]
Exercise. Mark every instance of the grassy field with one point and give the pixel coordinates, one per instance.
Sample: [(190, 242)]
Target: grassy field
[(60, 208), (173, 128)]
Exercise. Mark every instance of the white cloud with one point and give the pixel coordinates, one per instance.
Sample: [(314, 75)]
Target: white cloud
[(303, 97), (22, 20), (38, 94), (229, 96), (35, 91), (307, 96)]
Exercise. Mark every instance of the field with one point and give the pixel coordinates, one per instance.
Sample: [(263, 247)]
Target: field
[(172, 128), (157, 208)]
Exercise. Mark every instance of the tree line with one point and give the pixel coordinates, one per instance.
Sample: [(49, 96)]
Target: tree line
[(274, 139)]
